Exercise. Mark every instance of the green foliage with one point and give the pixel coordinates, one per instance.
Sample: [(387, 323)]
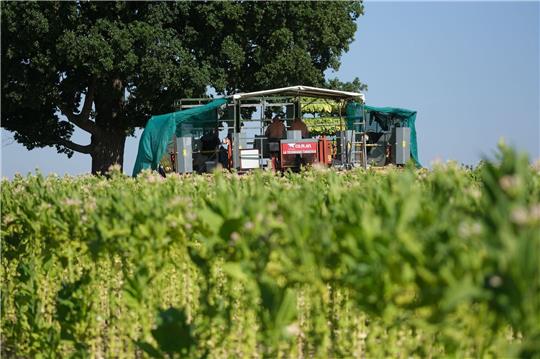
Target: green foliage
[(328, 126), (361, 263), (72, 312), (353, 86), (172, 335)]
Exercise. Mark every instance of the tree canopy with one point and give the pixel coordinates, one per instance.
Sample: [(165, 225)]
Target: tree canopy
[(107, 67)]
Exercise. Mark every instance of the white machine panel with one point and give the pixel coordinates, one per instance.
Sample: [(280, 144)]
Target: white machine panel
[(249, 159)]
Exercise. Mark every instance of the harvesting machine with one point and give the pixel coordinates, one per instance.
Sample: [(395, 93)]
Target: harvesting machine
[(203, 133)]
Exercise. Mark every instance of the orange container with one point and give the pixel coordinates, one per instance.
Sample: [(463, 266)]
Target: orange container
[(325, 151)]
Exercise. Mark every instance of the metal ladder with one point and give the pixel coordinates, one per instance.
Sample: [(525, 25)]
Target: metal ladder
[(359, 145)]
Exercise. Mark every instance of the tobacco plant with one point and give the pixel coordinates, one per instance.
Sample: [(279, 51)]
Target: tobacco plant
[(403, 262)]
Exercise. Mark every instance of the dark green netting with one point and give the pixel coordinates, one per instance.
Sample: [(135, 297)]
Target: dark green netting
[(353, 114), (390, 115), (160, 129)]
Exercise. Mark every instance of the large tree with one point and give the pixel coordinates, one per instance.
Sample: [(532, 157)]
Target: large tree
[(106, 67)]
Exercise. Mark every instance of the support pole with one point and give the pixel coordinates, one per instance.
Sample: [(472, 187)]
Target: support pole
[(297, 108), (364, 134), (236, 136)]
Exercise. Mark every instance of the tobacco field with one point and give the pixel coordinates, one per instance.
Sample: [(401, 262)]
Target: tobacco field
[(401, 263)]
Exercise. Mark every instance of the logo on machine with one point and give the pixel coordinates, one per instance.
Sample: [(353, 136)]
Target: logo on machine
[(299, 148)]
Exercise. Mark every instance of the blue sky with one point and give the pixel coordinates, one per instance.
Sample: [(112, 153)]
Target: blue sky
[(470, 69)]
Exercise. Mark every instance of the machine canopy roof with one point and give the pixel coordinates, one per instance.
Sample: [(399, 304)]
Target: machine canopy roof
[(306, 91)]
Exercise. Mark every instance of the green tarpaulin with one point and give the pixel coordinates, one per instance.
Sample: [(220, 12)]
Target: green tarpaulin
[(386, 114), (160, 130)]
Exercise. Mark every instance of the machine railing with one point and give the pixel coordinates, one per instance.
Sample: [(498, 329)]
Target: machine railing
[(247, 133)]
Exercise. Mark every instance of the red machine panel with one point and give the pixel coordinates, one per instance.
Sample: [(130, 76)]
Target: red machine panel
[(298, 148), (298, 153), (325, 151)]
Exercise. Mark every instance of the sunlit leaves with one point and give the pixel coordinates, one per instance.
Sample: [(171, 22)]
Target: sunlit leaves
[(440, 263)]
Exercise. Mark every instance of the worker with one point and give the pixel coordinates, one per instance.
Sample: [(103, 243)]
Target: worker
[(299, 125), (225, 152), (210, 141), (276, 130), (208, 152)]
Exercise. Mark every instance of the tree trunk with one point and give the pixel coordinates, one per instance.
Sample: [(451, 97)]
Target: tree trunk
[(108, 150), (108, 143)]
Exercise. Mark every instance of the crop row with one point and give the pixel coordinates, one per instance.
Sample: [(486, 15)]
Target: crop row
[(362, 263)]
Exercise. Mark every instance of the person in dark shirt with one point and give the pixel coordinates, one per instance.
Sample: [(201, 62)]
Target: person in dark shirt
[(210, 141), (208, 150), (276, 130), (299, 125)]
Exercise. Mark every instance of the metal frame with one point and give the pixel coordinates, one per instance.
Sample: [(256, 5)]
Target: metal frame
[(283, 97)]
